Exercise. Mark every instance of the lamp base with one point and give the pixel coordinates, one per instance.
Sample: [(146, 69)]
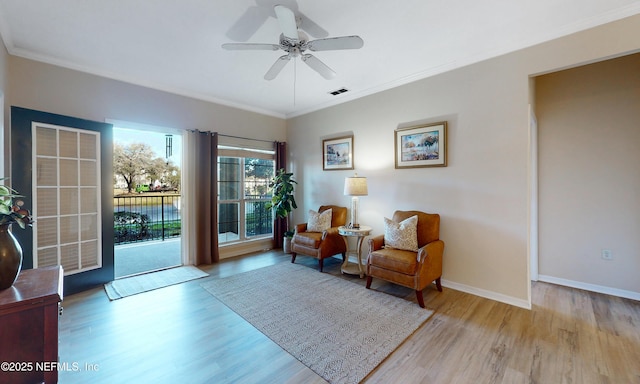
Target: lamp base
[(354, 213)]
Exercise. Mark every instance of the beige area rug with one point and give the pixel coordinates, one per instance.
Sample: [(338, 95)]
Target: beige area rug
[(128, 286), (339, 329)]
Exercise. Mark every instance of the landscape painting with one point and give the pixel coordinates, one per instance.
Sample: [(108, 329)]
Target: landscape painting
[(421, 146), (337, 153)]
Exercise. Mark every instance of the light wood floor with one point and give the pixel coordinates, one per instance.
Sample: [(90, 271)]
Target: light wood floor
[(183, 334)]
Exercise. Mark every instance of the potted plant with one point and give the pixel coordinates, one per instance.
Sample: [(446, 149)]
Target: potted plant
[(283, 202)]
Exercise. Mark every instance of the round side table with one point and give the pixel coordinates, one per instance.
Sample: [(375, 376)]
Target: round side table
[(360, 234)]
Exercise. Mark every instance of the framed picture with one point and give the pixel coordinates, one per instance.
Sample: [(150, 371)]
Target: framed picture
[(337, 153), (421, 146)]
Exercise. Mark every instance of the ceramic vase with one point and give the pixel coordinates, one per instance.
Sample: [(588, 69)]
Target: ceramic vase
[(10, 257)]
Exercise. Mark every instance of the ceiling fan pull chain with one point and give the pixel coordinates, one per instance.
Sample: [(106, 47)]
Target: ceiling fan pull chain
[(295, 78)]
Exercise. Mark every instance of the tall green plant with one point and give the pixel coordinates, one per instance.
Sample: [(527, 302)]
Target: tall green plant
[(282, 201)]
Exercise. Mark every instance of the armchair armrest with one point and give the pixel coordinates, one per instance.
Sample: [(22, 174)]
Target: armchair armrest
[(301, 228), (333, 231), (375, 243), (430, 260), (332, 242)]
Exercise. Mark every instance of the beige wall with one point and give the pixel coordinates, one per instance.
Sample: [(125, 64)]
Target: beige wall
[(483, 194), (63, 91), (589, 140), (3, 89), (3, 66)]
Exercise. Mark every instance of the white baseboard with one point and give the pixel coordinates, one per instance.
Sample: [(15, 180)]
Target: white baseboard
[(590, 287), (243, 248), (487, 294)]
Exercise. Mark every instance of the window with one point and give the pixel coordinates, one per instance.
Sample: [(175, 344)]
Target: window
[(243, 191)]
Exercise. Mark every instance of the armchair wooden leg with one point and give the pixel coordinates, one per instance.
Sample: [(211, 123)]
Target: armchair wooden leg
[(438, 285), (344, 257), (320, 264), (369, 278), (293, 257), (420, 298)]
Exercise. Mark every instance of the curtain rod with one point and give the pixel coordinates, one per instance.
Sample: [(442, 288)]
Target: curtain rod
[(235, 137), (246, 138)]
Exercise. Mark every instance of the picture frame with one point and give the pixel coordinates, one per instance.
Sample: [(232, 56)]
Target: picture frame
[(421, 146), (337, 153)]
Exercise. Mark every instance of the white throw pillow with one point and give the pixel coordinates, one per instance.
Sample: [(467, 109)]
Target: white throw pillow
[(319, 222), (402, 235)]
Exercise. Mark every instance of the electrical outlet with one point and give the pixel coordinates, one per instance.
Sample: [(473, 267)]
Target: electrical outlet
[(607, 254)]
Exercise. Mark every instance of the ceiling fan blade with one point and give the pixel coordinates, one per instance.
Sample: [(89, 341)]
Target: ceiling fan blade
[(250, 46), (248, 24), (311, 27), (287, 21), (334, 43), (277, 67), (318, 66)]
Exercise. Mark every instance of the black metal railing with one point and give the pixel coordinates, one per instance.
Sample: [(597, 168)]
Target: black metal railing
[(146, 217), (259, 219)]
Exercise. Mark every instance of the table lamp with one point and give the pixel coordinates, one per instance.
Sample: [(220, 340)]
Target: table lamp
[(355, 186)]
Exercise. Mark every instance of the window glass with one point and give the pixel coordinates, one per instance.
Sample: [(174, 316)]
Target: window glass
[(228, 222), (229, 178), (243, 182)]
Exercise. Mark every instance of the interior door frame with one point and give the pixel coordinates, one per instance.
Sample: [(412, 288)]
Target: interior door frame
[(21, 173)]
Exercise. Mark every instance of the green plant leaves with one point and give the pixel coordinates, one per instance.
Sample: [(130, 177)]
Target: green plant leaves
[(283, 201), (10, 212)]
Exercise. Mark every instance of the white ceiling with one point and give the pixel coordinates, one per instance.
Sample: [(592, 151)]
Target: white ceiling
[(175, 45)]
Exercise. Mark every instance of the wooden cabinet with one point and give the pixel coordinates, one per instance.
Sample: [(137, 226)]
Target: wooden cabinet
[(29, 313)]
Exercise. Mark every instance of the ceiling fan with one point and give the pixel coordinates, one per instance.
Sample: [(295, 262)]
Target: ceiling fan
[(295, 43)]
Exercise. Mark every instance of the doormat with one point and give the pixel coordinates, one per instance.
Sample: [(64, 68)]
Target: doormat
[(128, 286)]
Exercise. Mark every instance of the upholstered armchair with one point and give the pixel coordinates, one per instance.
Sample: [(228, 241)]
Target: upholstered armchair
[(409, 267), (322, 241)]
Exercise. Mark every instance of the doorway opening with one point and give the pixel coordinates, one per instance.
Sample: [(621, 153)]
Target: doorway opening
[(147, 199)]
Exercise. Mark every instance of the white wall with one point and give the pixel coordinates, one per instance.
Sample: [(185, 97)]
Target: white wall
[(482, 195), (589, 179)]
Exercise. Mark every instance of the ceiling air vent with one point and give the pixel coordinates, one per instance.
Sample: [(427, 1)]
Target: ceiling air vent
[(339, 91)]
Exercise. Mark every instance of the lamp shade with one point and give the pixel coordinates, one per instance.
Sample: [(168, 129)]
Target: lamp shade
[(355, 186)]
